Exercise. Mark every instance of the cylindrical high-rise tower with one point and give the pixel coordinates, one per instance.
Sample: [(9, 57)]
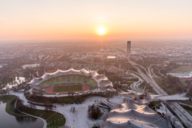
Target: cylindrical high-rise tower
[(128, 48)]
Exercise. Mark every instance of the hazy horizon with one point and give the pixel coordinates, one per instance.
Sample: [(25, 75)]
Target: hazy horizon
[(64, 20)]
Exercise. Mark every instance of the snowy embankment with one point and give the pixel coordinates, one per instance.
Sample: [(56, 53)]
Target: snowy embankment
[(15, 83), (78, 118)]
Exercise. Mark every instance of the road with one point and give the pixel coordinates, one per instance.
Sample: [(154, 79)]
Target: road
[(180, 112), (135, 86)]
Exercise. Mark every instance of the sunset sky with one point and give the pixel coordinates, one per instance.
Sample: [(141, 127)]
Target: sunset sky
[(45, 20)]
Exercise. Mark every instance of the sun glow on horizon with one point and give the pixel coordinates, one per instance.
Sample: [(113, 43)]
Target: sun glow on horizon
[(63, 20), (102, 30)]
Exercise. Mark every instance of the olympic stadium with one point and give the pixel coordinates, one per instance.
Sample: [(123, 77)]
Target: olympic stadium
[(71, 81)]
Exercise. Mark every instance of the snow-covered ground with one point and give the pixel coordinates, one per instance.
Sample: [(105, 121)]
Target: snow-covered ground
[(16, 82), (79, 118), (182, 74), (30, 66)]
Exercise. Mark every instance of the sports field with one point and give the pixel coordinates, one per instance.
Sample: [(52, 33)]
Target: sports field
[(68, 83)]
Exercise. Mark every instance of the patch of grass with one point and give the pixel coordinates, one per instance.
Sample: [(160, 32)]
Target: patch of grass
[(7, 98), (68, 99), (53, 119), (70, 88), (172, 85), (70, 79), (63, 100), (10, 101), (182, 69)]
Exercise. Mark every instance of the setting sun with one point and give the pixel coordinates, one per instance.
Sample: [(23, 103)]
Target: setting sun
[(101, 30)]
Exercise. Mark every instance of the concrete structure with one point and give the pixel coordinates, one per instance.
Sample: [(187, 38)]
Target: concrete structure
[(132, 115)]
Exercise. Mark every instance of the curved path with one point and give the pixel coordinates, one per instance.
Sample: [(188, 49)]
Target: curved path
[(78, 118), (135, 86)]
